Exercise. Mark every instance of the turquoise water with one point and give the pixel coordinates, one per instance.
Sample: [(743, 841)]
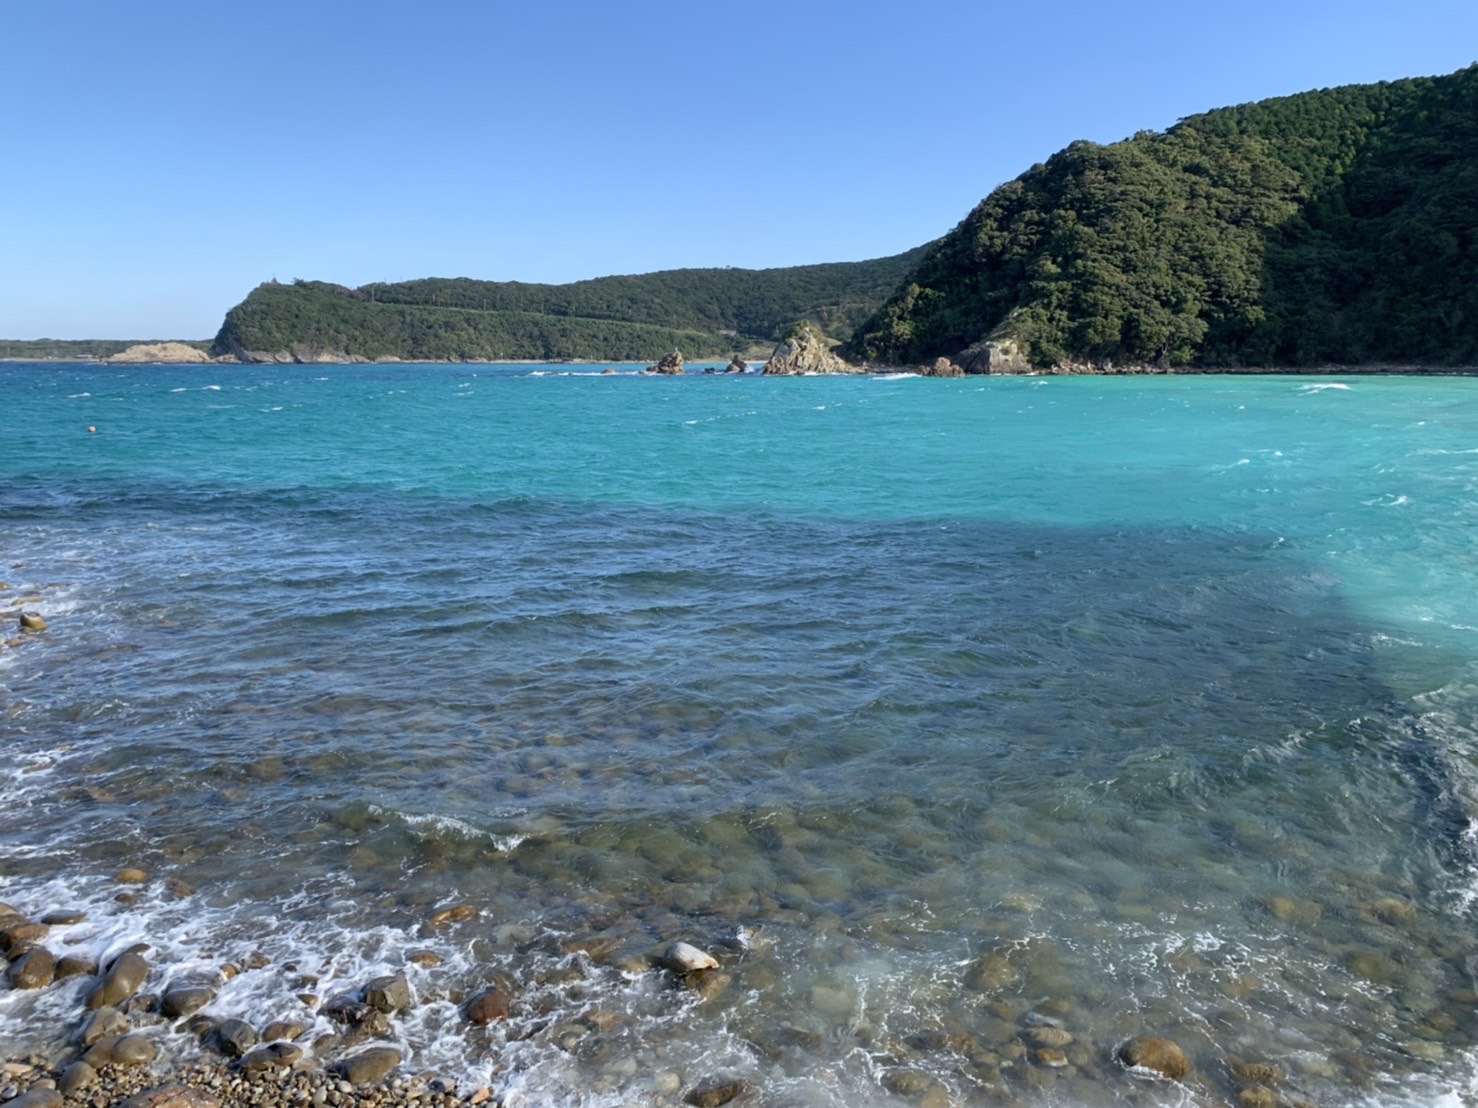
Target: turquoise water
[(936, 710)]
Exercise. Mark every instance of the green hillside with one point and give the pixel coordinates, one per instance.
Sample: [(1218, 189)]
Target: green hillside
[(702, 312), (1332, 226)]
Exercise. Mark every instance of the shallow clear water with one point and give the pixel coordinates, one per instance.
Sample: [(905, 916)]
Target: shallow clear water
[(932, 708)]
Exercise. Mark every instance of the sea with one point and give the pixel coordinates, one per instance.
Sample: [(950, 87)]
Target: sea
[(975, 727)]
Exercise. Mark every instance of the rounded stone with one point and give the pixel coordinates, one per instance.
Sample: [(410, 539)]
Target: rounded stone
[(271, 1056), (185, 1000), (121, 981), (34, 969), (1160, 1055), (370, 1065), (79, 1075), (234, 1038), (486, 1007)]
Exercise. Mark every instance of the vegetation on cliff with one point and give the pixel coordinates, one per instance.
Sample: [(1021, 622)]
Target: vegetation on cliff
[(703, 312), (1333, 226)]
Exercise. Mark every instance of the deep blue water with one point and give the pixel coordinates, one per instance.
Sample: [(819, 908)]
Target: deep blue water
[(933, 708)]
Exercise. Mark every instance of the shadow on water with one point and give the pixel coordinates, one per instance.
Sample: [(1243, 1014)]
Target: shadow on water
[(929, 783)]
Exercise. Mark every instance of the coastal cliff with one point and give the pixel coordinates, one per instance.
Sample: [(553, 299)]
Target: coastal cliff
[(1338, 226)]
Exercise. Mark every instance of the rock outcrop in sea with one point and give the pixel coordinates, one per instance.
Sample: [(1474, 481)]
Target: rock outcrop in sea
[(670, 363), (159, 353), (803, 351)]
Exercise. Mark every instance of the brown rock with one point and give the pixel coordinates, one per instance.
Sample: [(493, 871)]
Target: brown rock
[(185, 1000), (670, 363), (63, 917), (35, 969), (804, 351), (459, 914), (486, 1007), (121, 981), (20, 937), (942, 367), (32, 621), (424, 958), (1390, 910), (131, 876), (102, 1023), (1160, 1055), (121, 1050), (283, 1029), (271, 1056), (369, 1066), (75, 965), (1047, 1036), (712, 1096), (1257, 1073), (1050, 1057), (1257, 1096)]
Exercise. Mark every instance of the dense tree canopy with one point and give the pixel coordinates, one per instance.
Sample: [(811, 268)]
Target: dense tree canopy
[(1332, 226), (703, 312)]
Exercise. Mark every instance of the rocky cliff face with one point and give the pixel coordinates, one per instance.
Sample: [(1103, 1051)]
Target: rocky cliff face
[(805, 351)]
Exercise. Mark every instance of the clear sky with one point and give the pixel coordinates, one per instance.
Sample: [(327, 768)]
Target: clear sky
[(163, 157)]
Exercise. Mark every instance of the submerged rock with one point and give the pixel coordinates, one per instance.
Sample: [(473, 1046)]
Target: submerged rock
[(1160, 1055), (684, 958), (715, 1095), (486, 1007)]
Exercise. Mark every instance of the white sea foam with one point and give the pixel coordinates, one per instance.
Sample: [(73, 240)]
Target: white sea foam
[(1325, 386)]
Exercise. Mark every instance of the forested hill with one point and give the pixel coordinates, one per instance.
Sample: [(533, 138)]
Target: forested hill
[(1335, 226), (702, 312)]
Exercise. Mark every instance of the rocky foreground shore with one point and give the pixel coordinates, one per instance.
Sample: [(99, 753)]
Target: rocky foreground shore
[(112, 1054)]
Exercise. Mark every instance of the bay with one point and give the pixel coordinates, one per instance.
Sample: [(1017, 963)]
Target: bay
[(938, 710)]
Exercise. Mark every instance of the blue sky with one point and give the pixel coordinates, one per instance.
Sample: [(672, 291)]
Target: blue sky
[(162, 157)]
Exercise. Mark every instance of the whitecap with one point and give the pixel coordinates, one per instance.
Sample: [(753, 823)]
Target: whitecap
[(1323, 386)]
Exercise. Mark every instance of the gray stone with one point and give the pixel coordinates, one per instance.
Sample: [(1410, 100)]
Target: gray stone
[(36, 1098), (185, 1000), (369, 1066), (234, 1038), (121, 1050), (101, 1024), (271, 1056), (388, 994), (79, 1075)]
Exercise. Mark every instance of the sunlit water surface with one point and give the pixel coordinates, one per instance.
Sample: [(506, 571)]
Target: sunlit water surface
[(937, 710)]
